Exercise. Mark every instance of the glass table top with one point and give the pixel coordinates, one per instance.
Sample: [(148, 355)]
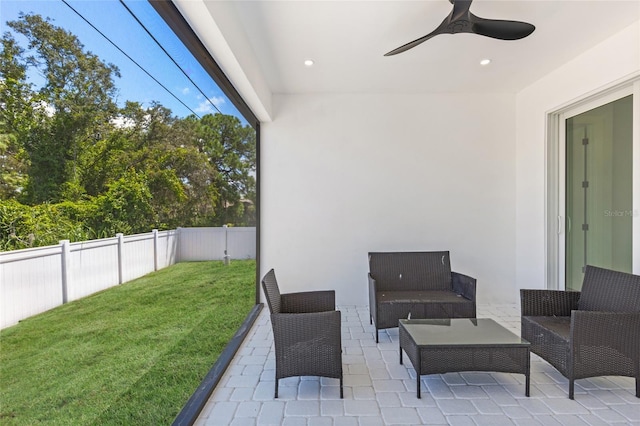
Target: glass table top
[(460, 331)]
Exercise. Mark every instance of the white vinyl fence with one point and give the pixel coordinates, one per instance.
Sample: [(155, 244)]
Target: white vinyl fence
[(36, 280), (215, 243)]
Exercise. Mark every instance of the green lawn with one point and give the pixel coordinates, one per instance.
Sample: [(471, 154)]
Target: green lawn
[(130, 355)]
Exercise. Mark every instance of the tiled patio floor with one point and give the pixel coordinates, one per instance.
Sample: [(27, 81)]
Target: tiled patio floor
[(380, 391)]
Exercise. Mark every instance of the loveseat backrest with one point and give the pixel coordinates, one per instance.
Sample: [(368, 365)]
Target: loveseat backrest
[(411, 270), (609, 291)]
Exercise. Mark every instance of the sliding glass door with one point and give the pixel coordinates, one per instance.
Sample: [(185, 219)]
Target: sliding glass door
[(598, 189)]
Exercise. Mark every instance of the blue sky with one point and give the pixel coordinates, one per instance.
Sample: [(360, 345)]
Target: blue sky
[(112, 18)]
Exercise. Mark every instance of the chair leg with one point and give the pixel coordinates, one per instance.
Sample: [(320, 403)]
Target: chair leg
[(276, 393), (570, 388), (637, 387), (377, 341), (341, 392)]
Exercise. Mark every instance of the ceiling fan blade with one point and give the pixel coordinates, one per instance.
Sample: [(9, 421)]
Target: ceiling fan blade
[(410, 45), (500, 29), (416, 42)]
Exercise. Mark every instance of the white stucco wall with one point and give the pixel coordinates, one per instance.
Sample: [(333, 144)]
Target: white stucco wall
[(342, 175), (616, 58)]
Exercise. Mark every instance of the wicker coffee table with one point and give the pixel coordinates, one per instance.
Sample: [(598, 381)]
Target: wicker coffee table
[(437, 346)]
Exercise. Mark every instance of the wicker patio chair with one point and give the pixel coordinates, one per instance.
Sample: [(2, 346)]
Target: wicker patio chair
[(594, 332), (306, 332)]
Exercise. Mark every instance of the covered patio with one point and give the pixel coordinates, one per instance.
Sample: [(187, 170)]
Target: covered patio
[(380, 391), (427, 150)]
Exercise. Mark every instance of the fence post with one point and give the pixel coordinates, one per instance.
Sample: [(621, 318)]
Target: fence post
[(178, 245), (65, 259), (155, 249), (227, 258), (120, 238)]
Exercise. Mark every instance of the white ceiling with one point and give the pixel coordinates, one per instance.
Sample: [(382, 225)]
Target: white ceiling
[(347, 41)]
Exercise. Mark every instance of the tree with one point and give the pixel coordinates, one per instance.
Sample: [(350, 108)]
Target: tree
[(13, 165), (75, 100), (231, 149), (24, 226), (164, 148), (74, 164), (125, 207), (16, 113)]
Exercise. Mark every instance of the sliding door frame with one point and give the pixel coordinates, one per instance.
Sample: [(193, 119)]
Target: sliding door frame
[(555, 175)]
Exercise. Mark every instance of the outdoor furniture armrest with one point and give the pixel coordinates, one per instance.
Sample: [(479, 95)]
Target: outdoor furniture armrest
[(547, 303), (372, 288), (464, 285), (591, 333), (613, 330), (372, 298), (318, 327), (372, 281), (308, 344), (309, 301)]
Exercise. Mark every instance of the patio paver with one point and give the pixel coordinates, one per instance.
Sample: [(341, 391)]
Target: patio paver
[(380, 391)]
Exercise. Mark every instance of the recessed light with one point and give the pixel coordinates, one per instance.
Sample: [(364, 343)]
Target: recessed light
[(308, 63), (485, 62)]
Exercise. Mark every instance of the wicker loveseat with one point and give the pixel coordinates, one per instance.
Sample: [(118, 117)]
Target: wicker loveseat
[(594, 332), (419, 285)]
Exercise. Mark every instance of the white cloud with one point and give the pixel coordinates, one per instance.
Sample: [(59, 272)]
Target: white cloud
[(185, 91), (205, 106)]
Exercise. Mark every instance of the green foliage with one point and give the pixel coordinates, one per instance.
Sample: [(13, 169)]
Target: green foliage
[(134, 168), (78, 95), (13, 165), (125, 207), (231, 150), (15, 114), (26, 226), (130, 355)]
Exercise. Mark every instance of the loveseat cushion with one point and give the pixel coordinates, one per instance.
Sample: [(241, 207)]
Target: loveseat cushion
[(393, 305), (558, 326), (430, 296)]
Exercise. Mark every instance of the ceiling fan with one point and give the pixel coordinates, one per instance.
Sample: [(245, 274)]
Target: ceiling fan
[(461, 20)]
